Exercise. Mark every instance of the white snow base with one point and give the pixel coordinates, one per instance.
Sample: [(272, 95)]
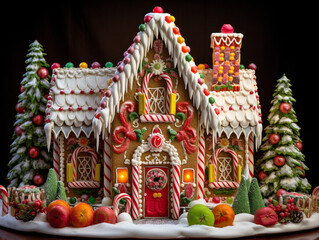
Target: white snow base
[(159, 229)]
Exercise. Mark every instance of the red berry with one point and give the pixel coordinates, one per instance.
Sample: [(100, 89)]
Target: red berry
[(270, 200)]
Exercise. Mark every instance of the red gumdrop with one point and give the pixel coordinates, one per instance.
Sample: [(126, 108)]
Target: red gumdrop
[(227, 28), (157, 10), (147, 18)]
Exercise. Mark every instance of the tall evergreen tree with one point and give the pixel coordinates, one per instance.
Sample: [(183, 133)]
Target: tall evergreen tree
[(282, 163), (28, 149)]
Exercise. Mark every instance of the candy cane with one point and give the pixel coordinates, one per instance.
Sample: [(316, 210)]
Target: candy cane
[(157, 118), (201, 165), (4, 198), (107, 166), (74, 160), (250, 155), (135, 194), (168, 80), (176, 191), (116, 201), (56, 158)]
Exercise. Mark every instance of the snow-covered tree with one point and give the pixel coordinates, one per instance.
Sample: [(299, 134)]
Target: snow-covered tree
[(282, 163), (29, 155)]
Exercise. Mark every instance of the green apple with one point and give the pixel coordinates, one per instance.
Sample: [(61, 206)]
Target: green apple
[(200, 215)]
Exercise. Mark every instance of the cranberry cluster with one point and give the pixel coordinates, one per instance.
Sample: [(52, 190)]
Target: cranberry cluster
[(27, 210), (283, 211)]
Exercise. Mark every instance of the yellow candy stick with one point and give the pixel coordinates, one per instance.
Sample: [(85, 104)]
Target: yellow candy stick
[(211, 173), (239, 172), (97, 176), (172, 104), (141, 103), (69, 172)]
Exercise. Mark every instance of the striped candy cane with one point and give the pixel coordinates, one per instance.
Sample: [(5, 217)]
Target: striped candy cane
[(201, 165), (4, 198), (168, 80), (176, 191), (74, 160), (157, 118), (107, 179), (56, 158), (135, 202), (250, 150), (116, 201)]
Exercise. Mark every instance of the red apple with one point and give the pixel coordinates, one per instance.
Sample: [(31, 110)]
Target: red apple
[(265, 216), (104, 214), (274, 138), (279, 161), (58, 216)]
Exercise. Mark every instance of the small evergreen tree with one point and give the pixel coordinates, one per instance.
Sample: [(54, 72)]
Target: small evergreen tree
[(255, 199), (51, 187), (241, 201), (28, 149), (282, 163)]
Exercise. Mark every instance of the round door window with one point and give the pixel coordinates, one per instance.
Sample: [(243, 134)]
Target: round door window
[(156, 179)]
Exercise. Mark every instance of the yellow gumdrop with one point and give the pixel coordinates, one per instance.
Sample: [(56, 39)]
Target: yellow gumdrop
[(83, 65), (200, 66), (173, 18), (180, 40)]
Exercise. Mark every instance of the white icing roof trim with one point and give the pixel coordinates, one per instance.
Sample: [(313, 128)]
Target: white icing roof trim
[(74, 97), (157, 25), (241, 109)]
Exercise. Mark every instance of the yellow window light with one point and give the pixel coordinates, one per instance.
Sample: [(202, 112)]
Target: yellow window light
[(121, 175)]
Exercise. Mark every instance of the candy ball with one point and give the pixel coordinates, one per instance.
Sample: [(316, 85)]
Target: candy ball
[(116, 78), (173, 18), (108, 93), (176, 30), (83, 65), (127, 60), (285, 107), (69, 65), (200, 81), (108, 65), (201, 66), (137, 39), (142, 27), (185, 49), (55, 65), (252, 66), (130, 50), (168, 19), (43, 73), (180, 40), (95, 65), (227, 28), (194, 69), (147, 18), (120, 68), (188, 58), (157, 10)]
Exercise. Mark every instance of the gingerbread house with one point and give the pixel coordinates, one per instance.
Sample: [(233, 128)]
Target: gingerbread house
[(151, 119), (74, 96)]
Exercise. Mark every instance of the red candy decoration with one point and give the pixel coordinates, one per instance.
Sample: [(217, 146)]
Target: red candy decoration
[(38, 119), (262, 175), (34, 152), (206, 91), (55, 65), (157, 10), (147, 18), (299, 145), (168, 19), (38, 179), (175, 30), (274, 138), (18, 130), (285, 107), (43, 73), (194, 69), (185, 49), (227, 28), (217, 111), (157, 140), (279, 161)]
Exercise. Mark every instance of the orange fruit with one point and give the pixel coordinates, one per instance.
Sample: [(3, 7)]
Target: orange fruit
[(81, 215), (59, 202), (224, 215)]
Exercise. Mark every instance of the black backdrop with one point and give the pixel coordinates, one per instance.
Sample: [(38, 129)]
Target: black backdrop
[(279, 38)]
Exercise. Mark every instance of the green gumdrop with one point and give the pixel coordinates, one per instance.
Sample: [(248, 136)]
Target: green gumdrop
[(211, 100), (229, 200), (142, 27), (200, 215), (108, 65), (92, 200), (72, 200), (69, 65), (241, 66), (188, 58)]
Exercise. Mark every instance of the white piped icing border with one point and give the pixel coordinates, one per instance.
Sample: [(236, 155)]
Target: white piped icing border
[(155, 27)]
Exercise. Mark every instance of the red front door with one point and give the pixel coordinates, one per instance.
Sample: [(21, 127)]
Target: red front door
[(156, 191)]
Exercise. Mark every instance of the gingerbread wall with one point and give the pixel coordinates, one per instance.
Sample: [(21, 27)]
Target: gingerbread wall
[(189, 161)]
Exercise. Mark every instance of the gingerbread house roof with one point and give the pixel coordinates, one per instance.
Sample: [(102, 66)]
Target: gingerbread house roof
[(74, 97), (156, 24), (240, 110)]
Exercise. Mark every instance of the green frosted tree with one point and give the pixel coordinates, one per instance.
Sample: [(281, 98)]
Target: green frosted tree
[(241, 201), (51, 187), (282, 163), (254, 195), (28, 148), (60, 192)]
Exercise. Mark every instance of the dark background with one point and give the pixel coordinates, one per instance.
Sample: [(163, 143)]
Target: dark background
[(279, 37)]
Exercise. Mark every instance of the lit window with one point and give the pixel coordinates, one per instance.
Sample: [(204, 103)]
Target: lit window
[(188, 175), (122, 175)]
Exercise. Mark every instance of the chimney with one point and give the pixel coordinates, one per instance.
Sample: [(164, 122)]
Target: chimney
[(226, 58)]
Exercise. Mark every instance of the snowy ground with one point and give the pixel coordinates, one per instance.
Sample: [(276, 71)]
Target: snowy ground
[(159, 228)]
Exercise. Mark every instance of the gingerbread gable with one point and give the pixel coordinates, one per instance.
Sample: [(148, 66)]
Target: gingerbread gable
[(156, 24), (74, 97)]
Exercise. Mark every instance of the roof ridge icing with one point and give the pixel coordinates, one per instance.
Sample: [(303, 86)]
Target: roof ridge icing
[(156, 24)]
